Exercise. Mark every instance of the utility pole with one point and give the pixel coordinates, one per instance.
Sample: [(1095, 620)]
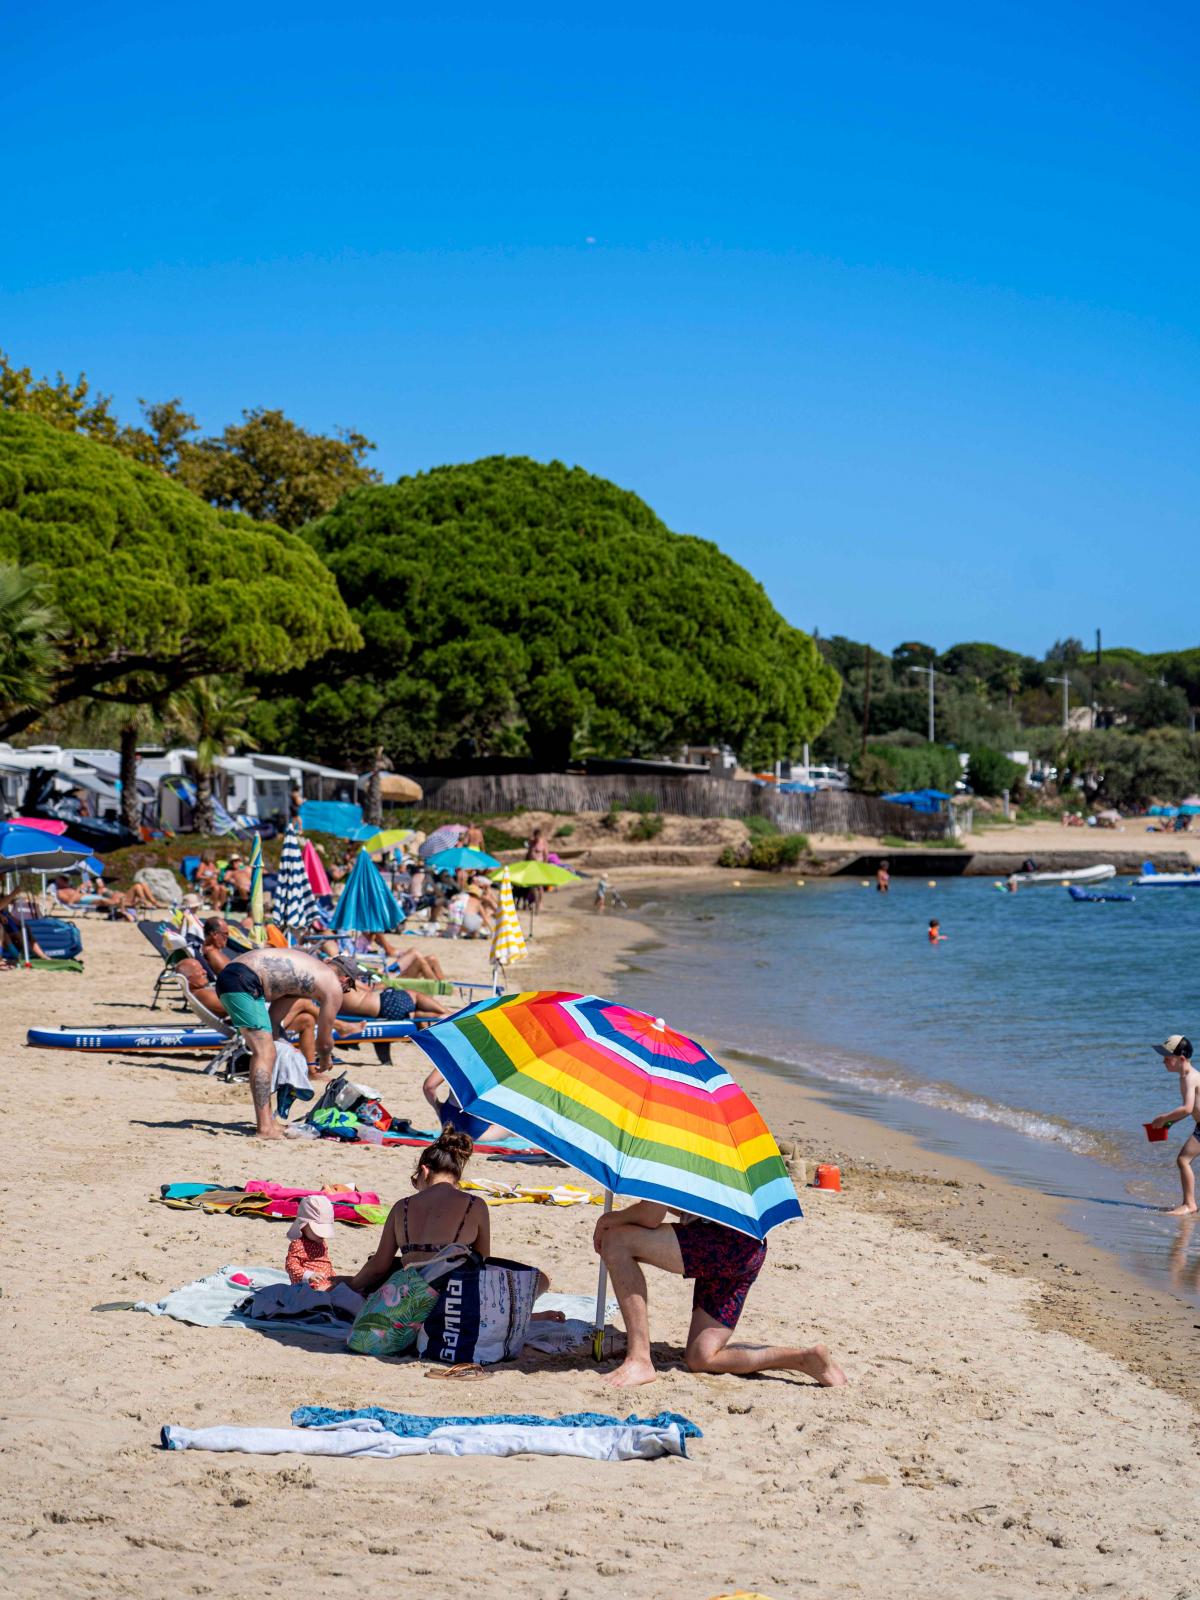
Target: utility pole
[(931, 674), (1066, 688), (867, 702)]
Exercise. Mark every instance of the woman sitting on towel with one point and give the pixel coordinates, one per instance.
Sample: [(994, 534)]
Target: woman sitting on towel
[(438, 1214)]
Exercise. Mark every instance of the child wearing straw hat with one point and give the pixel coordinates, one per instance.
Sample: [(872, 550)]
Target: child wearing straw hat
[(308, 1254)]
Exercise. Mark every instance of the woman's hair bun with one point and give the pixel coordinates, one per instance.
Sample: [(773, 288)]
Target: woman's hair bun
[(456, 1143)]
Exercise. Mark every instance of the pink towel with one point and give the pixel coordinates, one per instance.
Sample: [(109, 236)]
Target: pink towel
[(280, 1191)]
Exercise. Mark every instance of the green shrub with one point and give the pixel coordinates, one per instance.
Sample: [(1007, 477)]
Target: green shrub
[(772, 855), (759, 827), (611, 820), (565, 832), (731, 856), (885, 768), (641, 802), (990, 772), (647, 827)]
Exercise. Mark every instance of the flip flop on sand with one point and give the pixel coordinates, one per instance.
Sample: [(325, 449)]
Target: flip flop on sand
[(464, 1372)]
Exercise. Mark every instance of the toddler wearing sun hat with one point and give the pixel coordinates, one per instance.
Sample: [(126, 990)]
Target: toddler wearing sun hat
[(308, 1254)]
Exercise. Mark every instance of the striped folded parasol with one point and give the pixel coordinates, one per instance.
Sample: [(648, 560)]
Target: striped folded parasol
[(256, 890), (294, 905), (508, 942)]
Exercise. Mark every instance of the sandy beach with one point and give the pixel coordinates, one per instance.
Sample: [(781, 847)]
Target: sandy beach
[(1021, 1415)]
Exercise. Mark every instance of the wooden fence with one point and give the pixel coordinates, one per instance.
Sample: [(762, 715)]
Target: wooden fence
[(829, 811)]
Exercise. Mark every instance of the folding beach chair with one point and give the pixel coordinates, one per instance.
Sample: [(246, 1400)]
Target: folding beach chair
[(166, 941)]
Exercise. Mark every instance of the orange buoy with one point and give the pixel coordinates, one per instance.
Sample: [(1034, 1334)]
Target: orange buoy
[(828, 1177)]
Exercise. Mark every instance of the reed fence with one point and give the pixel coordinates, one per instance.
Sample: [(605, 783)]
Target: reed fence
[(830, 811)]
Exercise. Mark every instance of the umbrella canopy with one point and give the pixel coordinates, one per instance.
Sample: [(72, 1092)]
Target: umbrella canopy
[(639, 1108), (31, 849), (314, 869), (537, 875), (388, 839), (441, 839), (508, 942), (338, 817), (460, 860), (256, 889), (45, 824), (394, 787), (293, 905), (366, 905)]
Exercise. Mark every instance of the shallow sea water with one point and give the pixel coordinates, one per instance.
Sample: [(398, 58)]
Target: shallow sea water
[(1022, 1042)]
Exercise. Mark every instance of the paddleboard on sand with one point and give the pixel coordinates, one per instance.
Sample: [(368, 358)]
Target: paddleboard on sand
[(122, 1038)]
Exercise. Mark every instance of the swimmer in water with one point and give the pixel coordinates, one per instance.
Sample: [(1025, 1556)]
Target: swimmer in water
[(1177, 1057), (936, 936)]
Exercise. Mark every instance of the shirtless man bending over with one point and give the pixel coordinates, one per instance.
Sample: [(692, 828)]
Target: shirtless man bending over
[(259, 989)]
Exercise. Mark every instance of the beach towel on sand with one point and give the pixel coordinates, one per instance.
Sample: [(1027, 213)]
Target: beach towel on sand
[(367, 1437)]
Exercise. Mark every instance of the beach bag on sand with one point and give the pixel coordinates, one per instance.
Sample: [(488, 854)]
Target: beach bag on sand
[(391, 1317), (482, 1314)]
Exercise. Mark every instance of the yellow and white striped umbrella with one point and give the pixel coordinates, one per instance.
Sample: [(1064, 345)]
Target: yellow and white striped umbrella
[(508, 942)]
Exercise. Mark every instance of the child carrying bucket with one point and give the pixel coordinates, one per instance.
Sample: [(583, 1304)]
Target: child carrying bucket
[(1177, 1057)]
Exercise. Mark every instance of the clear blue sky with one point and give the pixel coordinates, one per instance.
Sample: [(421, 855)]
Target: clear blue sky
[(897, 303)]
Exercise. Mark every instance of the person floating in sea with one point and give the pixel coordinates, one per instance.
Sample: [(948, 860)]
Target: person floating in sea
[(1177, 1057), (723, 1265), (883, 878), (936, 936)]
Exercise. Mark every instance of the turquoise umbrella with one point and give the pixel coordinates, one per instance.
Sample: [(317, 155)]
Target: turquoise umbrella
[(366, 904), (461, 859)]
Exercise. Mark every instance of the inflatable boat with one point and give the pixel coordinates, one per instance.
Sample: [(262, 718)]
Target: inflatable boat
[(1095, 874), (122, 1039), (1150, 879)]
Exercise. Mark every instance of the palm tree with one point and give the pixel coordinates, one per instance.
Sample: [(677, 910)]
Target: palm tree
[(28, 641), (212, 713)]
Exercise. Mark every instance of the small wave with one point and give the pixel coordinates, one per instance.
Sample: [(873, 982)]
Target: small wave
[(844, 1069)]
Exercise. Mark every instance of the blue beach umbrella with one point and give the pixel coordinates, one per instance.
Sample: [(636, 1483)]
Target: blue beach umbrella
[(32, 850), (366, 904), (461, 860)]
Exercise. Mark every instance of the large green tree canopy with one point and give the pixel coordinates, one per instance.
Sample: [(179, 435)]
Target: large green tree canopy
[(511, 607), (151, 585)]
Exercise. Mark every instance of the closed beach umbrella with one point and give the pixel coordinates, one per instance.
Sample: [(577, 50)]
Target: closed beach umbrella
[(643, 1110), (256, 889), (460, 860), (366, 905), (314, 868), (508, 942), (441, 839), (293, 903)]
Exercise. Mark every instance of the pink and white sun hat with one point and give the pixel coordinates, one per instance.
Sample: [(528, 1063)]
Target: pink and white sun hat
[(315, 1211)]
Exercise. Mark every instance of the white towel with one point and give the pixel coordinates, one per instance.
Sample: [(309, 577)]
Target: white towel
[(367, 1437)]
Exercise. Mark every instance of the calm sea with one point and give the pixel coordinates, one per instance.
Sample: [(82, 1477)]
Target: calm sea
[(1022, 1042)]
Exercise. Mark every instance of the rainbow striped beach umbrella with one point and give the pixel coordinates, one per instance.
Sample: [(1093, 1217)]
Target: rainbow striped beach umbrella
[(641, 1109)]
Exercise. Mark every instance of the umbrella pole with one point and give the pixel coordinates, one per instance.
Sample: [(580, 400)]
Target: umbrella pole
[(601, 1295)]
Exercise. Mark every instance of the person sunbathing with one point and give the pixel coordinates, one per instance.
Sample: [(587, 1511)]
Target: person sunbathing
[(387, 1004), (208, 882), (451, 1115)]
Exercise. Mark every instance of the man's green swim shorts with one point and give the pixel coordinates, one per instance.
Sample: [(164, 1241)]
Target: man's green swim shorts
[(241, 991)]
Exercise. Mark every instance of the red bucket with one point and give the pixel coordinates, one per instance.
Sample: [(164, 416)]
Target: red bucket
[(1155, 1135)]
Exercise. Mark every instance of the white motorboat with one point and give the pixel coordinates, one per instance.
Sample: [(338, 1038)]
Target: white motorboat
[(1095, 874), (1150, 879)]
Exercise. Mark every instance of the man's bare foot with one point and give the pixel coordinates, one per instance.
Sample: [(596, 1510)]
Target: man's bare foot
[(630, 1374), (819, 1364), (273, 1132), (1180, 1211)]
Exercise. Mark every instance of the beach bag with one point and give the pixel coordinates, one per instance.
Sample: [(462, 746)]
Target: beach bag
[(392, 1315), (482, 1313)]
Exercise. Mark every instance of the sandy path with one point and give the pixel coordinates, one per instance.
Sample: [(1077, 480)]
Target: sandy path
[(975, 1454)]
